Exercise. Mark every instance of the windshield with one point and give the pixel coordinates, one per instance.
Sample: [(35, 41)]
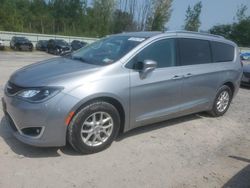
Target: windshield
[(22, 39), (107, 50), (44, 42), (61, 42)]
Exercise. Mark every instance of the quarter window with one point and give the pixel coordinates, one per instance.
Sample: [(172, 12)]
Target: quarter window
[(194, 51), (222, 52)]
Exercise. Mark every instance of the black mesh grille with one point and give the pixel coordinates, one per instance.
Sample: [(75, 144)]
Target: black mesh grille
[(12, 89), (247, 74)]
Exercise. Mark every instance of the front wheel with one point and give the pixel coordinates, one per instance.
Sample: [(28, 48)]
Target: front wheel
[(94, 128), (222, 101)]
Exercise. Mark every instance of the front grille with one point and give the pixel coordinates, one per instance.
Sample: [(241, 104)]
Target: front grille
[(13, 89), (247, 74), (65, 49)]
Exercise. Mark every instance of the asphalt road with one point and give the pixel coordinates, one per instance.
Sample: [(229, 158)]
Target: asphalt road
[(192, 151)]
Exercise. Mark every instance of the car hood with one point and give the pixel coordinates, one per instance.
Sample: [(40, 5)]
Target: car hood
[(246, 68), (49, 72)]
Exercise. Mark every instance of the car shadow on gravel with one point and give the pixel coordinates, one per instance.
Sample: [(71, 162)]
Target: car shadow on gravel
[(151, 127), (242, 178), (24, 150), (245, 87)]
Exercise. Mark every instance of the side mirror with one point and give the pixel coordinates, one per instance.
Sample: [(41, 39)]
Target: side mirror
[(146, 67)]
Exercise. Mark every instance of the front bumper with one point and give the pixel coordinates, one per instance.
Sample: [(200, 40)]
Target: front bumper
[(49, 117), (62, 52)]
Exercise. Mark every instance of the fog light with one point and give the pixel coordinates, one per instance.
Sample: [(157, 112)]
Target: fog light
[(32, 131)]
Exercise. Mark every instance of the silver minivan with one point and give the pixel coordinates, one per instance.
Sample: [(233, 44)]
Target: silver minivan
[(119, 83)]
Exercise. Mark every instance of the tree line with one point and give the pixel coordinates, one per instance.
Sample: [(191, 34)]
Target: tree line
[(97, 18), (239, 31), (82, 17)]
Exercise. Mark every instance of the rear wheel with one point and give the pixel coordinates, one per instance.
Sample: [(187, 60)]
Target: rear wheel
[(222, 101), (94, 127)]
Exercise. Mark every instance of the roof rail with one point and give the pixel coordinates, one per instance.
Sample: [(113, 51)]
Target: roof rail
[(195, 33)]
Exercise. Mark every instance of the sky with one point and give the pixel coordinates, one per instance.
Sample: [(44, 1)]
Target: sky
[(213, 12)]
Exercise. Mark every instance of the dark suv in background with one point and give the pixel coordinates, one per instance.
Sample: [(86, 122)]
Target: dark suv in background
[(42, 45), (58, 47), (21, 43), (76, 44)]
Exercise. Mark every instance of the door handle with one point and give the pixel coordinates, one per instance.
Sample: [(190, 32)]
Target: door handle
[(188, 75), (177, 77)]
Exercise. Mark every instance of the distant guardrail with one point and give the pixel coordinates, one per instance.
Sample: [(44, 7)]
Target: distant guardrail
[(244, 50), (34, 37)]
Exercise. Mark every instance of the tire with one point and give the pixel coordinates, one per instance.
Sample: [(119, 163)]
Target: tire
[(95, 139), (56, 52), (218, 110)]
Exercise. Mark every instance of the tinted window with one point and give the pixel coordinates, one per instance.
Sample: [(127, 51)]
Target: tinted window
[(163, 52), (222, 52), (61, 42), (21, 39), (194, 51)]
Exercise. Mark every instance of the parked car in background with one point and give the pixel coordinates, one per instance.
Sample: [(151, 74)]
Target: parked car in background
[(119, 83), (42, 45), (246, 74), (21, 43), (245, 56), (1, 45), (58, 47), (76, 44)]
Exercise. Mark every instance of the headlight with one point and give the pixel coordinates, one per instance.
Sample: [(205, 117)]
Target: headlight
[(38, 94)]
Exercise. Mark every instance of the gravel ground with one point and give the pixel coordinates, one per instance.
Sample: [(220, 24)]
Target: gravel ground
[(192, 151)]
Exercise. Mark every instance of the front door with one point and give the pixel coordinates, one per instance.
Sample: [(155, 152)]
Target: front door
[(155, 97)]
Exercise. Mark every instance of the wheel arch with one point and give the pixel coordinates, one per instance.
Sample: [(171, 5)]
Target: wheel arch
[(114, 101), (231, 86)]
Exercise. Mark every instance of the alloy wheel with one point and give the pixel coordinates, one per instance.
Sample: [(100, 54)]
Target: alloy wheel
[(97, 129), (223, 101)]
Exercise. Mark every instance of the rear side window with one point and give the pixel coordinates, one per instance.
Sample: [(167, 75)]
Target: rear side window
[(194, 51), (222, 52)]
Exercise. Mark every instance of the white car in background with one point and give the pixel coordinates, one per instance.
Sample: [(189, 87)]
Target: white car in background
[(1, 45)]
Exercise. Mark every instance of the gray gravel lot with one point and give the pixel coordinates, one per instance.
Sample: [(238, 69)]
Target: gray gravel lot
[(192, 151)]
